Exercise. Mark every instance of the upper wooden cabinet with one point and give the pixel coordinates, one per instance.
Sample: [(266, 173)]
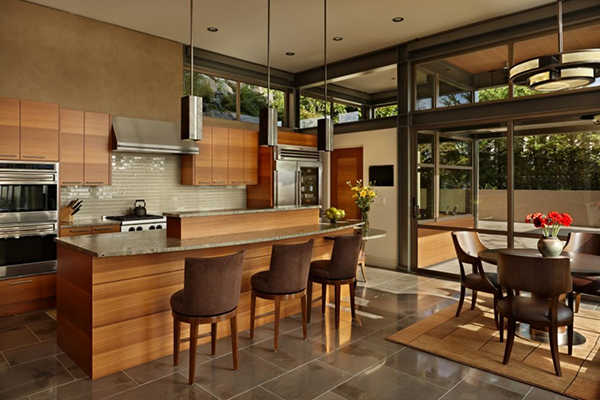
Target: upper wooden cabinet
[(84, 148), (9, 129), (227, 157), (236, 157), (39, 131)]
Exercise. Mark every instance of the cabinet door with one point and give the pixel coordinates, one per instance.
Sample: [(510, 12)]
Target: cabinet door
[(96, 230), (204, 159), (97, 149), (71, 147), (39, 131), (82, 230), (236, 157), (251, 157), (9, 128), (220, 156), (26, 294)]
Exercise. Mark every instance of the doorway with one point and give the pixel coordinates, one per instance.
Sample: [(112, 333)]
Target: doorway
[(346, 165)]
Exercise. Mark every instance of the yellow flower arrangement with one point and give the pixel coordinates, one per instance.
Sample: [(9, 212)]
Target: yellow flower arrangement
[(363, 196)]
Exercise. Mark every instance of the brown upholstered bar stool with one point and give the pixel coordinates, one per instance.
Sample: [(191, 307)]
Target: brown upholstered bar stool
[(467, 246), (340, 270), (285, 280), (211, 292), (546, 279), (587, 243)]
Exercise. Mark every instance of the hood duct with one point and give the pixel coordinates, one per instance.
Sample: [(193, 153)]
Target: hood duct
[(146, 136)]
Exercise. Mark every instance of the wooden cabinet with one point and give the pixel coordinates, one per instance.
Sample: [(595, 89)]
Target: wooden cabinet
[(220, 161), (97, 230), (71, 147), (21, 295), (250, 157), (227, 157), (10, 129), (90, 230), (84, 148), (39, 131), (236, 157)]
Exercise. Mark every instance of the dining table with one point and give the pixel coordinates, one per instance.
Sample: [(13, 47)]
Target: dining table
[(581, 265)]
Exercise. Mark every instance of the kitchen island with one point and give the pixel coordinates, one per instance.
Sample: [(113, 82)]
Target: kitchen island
[(113, 290)]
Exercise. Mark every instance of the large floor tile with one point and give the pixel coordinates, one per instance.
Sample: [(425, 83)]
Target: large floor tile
[(330, 396), (472, 388), (86, 388), (70, 365), (541, 394), (501, 381), (25, 354), (172, 387), (383, 383), (356, 357), (325, 332), (16, 337), (162, 367), (258, 393), (44, 330), (16, 321), (307, 382), (33, 377)]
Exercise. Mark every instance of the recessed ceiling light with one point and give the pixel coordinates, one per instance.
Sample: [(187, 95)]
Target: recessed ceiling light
[(212, 29), (397, 19), (290, 53), (338, 38)]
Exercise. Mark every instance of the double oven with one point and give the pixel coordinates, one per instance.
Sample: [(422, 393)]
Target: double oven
[(28, 216)]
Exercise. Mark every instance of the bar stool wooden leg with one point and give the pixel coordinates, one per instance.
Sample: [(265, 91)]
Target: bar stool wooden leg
[(323, 297), (252, 314), (303, 304), (461, 300), (277, 309), (338, 295), (309, 288), (193, 349), (213, 339), (473, 299), (234, 341), (176, 339), (352, 304)]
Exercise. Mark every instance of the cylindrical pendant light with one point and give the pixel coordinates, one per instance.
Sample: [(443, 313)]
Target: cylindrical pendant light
[(191, 106), (325, 125), (268, 116)]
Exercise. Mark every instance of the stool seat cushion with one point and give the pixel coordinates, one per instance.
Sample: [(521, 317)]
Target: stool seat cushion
[(260, 281), (534, 309)]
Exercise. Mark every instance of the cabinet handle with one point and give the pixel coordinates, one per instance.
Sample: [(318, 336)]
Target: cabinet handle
[(219, 182), (8, 155), (20, 282), (202, 183), (250, 183), (34, 156), (237, 183), (79, 230), (104, 229), (94, 182), (72, 183)]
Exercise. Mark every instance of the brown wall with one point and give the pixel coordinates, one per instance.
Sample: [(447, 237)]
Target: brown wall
[(53, 56)]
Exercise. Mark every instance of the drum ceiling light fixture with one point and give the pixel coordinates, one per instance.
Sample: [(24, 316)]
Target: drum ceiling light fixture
[(560, 71)]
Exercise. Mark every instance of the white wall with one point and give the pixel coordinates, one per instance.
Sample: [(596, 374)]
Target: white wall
[(379, 148)]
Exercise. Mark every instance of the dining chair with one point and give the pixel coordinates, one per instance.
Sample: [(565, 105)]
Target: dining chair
[(587, 243), (468, 245), (210, 294), (339, 270), (547, 279), (286, 279)]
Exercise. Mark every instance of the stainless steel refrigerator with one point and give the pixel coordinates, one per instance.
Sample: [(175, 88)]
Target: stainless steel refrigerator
[(298, 176)]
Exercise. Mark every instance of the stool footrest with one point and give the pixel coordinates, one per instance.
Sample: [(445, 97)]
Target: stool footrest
[(265, 314), (198, 337)]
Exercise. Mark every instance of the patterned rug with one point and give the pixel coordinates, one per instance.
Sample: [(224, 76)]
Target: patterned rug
[(473, 340)]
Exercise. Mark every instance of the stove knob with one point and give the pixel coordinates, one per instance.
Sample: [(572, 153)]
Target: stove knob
[(152, 227), (132, 229), (158, 226), (139, 228)]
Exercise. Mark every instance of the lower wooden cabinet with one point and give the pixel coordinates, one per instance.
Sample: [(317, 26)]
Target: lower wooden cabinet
[(21, 295), (90, 230)]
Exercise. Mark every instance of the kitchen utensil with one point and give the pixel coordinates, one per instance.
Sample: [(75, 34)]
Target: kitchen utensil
[(77, 204), (75, 211), (139, 210)]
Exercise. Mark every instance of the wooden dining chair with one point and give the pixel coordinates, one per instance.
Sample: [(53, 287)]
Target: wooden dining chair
[(547, 279), (467, 246), (587, 243)]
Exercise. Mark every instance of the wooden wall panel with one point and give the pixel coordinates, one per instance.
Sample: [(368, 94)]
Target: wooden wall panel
[(297, 139)]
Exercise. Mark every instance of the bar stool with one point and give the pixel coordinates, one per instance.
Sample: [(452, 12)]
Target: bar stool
[(285, 280), (210, 294), (340, 270)]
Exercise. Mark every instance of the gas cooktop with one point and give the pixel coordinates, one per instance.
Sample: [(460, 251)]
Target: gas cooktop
[(124, 218)]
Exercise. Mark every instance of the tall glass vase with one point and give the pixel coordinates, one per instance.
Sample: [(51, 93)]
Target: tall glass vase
[(365, 219)]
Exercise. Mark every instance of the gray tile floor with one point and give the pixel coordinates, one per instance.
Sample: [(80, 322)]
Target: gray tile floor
[(355, 362)]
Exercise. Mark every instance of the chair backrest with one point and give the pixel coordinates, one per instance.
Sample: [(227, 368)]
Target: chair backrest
[(467, 245), (539, 275), (290, 264), (212, 285), (583, 242), (344, 257)]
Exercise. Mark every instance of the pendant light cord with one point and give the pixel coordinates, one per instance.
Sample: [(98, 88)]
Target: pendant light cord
[(560, 26), (268, 53), (325, 52), (191, 47)]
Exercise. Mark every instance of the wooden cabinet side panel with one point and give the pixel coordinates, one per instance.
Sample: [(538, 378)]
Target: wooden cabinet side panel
[(97, 149), (71, 147), (250, 157), (220, 162), (261, 195), (39, 131), (10, 128), (236, 157), (204, 159)]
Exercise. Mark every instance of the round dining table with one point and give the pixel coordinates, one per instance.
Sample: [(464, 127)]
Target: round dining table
[(581, 265)]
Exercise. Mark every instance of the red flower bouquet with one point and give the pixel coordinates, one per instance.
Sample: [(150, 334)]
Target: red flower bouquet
[(549, 225)]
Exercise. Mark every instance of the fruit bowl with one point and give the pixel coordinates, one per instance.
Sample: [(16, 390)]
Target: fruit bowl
[(333, 214)]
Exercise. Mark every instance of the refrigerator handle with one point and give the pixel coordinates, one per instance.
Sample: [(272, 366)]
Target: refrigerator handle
[(298, 188), (275, 191)]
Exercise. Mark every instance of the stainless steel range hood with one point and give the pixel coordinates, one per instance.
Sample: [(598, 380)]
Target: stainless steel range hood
[(147, 136)]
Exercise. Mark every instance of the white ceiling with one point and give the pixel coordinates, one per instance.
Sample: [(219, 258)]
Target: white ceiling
[(374, 81), (296, 25)]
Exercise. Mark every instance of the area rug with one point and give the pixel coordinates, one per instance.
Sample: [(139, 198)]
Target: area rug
[(472, 339), (51, 313)]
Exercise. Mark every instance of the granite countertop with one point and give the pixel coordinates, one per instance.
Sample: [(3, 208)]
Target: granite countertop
[(207, 213), (81, 222), (152, 242)]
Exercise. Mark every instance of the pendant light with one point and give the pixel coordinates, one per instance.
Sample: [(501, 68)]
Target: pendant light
[(325, 125), (560, 71), (268, 116), (191, 106)]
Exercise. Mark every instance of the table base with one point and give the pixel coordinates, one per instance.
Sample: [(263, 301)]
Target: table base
[(527, 332)]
